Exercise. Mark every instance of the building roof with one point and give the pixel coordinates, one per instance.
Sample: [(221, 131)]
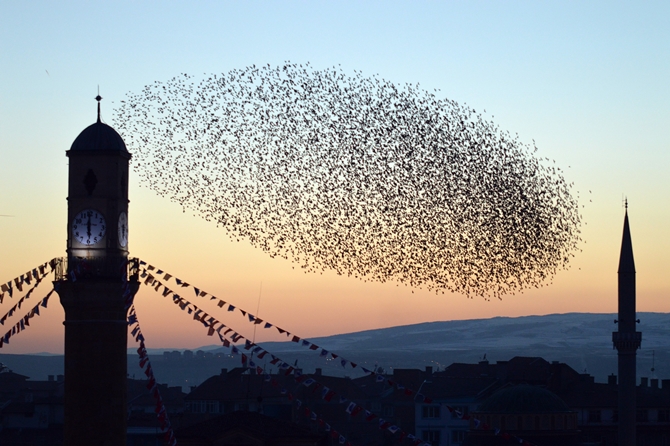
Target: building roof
[(242, 384), (523, 399), (257, 425), (98, 137)]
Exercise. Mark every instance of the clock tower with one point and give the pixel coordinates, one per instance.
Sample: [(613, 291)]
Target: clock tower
[(98, 284)]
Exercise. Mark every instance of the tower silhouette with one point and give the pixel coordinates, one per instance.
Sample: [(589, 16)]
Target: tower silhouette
[(627, 340), (96, 288)]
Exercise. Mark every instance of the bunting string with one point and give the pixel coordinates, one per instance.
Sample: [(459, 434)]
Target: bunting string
[(26, 278), (148, 272), (24, 322), (17, 306), (229, 337), (145, 364), (226, 336)]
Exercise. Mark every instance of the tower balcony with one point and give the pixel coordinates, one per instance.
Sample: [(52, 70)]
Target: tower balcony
[(626, 341), (84, 268)]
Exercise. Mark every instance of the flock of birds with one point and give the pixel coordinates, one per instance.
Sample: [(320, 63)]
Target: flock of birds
[(357, 175)]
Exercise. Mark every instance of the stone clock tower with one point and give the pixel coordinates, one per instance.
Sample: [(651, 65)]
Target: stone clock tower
[(94, 291)]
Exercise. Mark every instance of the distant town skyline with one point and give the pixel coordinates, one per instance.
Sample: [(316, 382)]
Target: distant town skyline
[(586, 82)]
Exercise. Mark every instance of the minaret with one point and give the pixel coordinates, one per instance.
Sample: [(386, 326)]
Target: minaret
[(96, 288), (627, 340)]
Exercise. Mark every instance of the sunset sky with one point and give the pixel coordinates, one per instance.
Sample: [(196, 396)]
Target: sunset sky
[(587, 81)]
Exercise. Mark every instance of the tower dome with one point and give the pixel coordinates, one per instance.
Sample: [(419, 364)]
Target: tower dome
[(99, 137)]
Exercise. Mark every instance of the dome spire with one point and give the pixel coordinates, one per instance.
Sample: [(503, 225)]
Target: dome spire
[(98, 98)]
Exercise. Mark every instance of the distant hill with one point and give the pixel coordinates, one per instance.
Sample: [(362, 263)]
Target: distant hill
[(582, 340)]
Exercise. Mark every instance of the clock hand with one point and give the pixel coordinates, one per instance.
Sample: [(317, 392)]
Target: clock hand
[(88, 227)]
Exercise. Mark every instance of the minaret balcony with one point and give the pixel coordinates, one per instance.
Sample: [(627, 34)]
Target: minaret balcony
[(626, 341)]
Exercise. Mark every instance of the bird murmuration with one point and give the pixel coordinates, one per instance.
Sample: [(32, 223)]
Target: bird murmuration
[(355, 174)]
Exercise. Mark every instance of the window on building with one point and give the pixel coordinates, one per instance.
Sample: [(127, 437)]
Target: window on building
[(198, 406), (457, 437), (595, 416), (642, 416), (545, 423), (212, 406), (559, 422), (387, 410), (459, 411), (430, 412), (663, 415), (431, 436)]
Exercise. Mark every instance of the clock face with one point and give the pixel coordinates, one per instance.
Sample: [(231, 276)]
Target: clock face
[(123, 230), (89, 227)]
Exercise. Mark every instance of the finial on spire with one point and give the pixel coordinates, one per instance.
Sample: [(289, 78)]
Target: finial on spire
[(98, 98)]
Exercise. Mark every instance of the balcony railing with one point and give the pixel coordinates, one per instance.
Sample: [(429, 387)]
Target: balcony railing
[(84, 268), (623, 340)]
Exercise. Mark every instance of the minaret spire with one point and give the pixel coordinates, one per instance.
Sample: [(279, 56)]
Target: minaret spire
[(626, 261)]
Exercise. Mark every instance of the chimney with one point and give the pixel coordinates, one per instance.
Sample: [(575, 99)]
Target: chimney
[(60, 378), (224, 372), (429, 370), (666, 384), (611, 380), (317, 372), (51, 378), (643, 382), (654, 383)]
